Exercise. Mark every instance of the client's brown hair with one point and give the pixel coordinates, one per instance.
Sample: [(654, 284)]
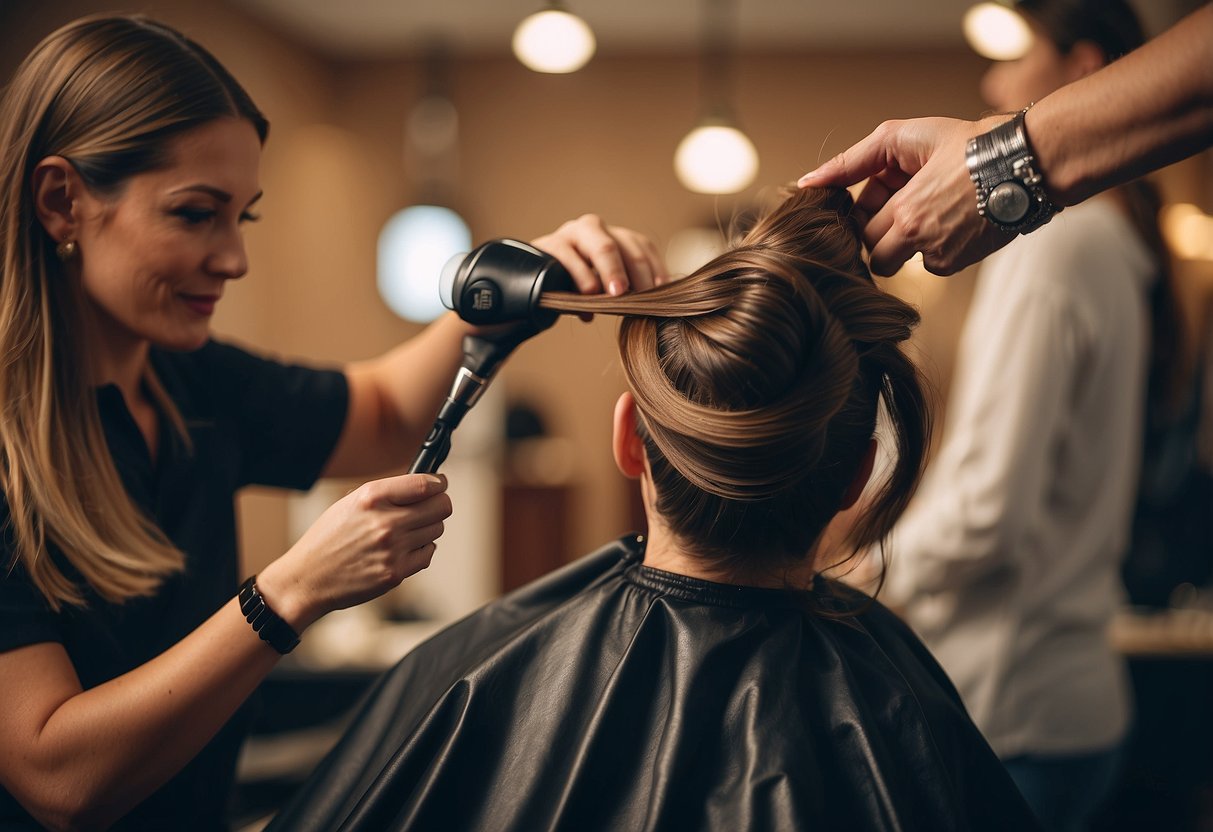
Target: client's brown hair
[(758, 379)]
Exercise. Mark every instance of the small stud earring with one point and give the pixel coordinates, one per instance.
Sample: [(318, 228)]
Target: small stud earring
[(66, 250)]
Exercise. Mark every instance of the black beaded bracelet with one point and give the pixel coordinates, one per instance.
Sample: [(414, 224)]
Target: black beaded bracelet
[(266, 623)]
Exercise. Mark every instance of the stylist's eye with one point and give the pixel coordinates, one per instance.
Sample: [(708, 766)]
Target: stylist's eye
[(194, 216), (249, 216)]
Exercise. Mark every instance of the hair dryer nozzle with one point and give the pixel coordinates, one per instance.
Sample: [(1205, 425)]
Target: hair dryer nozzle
[(501, 282)]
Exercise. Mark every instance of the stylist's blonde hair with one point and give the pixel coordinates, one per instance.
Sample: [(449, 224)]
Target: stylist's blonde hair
[(758, 379), (108, 94)]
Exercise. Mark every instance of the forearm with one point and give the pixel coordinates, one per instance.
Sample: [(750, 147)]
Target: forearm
[(103, 750), (1149, 109), (394, 399), (418, 374)]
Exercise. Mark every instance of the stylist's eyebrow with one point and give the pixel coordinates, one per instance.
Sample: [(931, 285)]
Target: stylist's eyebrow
[(221, 195)]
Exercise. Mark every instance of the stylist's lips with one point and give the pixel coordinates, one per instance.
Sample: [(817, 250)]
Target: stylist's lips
[(201, 304)]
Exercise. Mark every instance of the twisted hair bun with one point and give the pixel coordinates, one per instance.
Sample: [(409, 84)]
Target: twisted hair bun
[(757, 380)]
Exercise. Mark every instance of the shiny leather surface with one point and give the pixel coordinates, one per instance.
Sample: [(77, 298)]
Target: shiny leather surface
[(613, 696)]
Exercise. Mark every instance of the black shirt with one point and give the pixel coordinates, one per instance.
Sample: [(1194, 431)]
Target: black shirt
[(251, 421)]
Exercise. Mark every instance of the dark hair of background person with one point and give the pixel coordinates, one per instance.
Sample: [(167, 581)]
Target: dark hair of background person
[(757, 381), (1116, 30)]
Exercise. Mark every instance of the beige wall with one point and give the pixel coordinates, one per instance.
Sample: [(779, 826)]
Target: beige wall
[(535, 150)]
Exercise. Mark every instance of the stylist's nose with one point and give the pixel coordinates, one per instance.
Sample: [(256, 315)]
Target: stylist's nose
[(228, 259)]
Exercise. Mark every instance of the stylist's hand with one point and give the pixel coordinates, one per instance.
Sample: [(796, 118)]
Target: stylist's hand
[(918, 196), (363, 545), (604, 258)]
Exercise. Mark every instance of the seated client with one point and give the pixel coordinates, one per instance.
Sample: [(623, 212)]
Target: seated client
[(703, 676)]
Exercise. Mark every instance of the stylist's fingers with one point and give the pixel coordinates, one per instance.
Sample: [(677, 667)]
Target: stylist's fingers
[(889, 244), (877, 192), (890, 254), (410, 539), (596, 244), (643, 262), (407, 489), (581, 272), (420, 504), (592, 256), (865, 158), (877, 225), (414, 561)]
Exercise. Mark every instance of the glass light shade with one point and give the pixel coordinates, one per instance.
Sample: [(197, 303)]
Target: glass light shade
[(716, 159), (554, 41), (414, 245), (996, 32), (432, 126)]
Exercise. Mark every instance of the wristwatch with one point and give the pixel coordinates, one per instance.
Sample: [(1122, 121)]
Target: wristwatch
[(266, 623), (1010, 191)]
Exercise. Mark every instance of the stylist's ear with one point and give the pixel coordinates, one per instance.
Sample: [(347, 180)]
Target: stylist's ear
[(1084, 58), (626, 445), (860, 482), (57, 187)]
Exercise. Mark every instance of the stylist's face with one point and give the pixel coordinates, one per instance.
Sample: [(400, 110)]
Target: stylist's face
[(1013, 85), (154, 260)]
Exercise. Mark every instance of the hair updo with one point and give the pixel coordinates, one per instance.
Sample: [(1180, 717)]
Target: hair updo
[(758, 379)]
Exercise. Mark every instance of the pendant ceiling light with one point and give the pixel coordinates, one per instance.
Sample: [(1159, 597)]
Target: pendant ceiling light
[(716, 157), (554, 40), (997, 32), (417, 241)]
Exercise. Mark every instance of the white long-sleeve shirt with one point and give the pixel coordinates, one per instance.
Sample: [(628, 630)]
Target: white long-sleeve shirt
[(1007, 562)]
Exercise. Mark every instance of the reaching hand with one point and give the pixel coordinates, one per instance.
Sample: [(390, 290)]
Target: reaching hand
[(603, 257), (918, 196), (363, 545)]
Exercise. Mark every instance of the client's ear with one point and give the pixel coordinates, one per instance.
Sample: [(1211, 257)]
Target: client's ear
[(625, 443), (862, 475)]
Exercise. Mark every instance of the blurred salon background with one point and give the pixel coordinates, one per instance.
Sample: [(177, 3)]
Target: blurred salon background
[(405, 131)]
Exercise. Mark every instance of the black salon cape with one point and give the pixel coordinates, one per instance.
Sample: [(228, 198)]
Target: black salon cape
[(614, 696)]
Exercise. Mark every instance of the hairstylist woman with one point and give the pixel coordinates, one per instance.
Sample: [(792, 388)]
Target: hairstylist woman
[(130, 162)]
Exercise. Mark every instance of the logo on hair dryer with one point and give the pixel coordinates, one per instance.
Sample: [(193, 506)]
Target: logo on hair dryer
[(484, 298)]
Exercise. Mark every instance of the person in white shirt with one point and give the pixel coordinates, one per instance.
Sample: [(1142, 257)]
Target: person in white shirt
[(1007, 562)]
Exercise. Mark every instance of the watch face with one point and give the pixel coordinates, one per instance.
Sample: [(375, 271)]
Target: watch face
[(1009, 202)]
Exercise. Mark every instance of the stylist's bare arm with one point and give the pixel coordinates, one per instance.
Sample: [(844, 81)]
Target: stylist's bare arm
[(1148, 109)]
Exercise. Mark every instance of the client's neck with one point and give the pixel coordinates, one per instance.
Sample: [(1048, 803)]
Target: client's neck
[(663, 550)]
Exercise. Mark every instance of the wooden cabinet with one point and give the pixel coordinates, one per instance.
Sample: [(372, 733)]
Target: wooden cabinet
[(534, 531)]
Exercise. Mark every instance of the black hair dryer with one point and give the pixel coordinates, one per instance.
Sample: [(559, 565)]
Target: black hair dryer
[(496, 286)]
